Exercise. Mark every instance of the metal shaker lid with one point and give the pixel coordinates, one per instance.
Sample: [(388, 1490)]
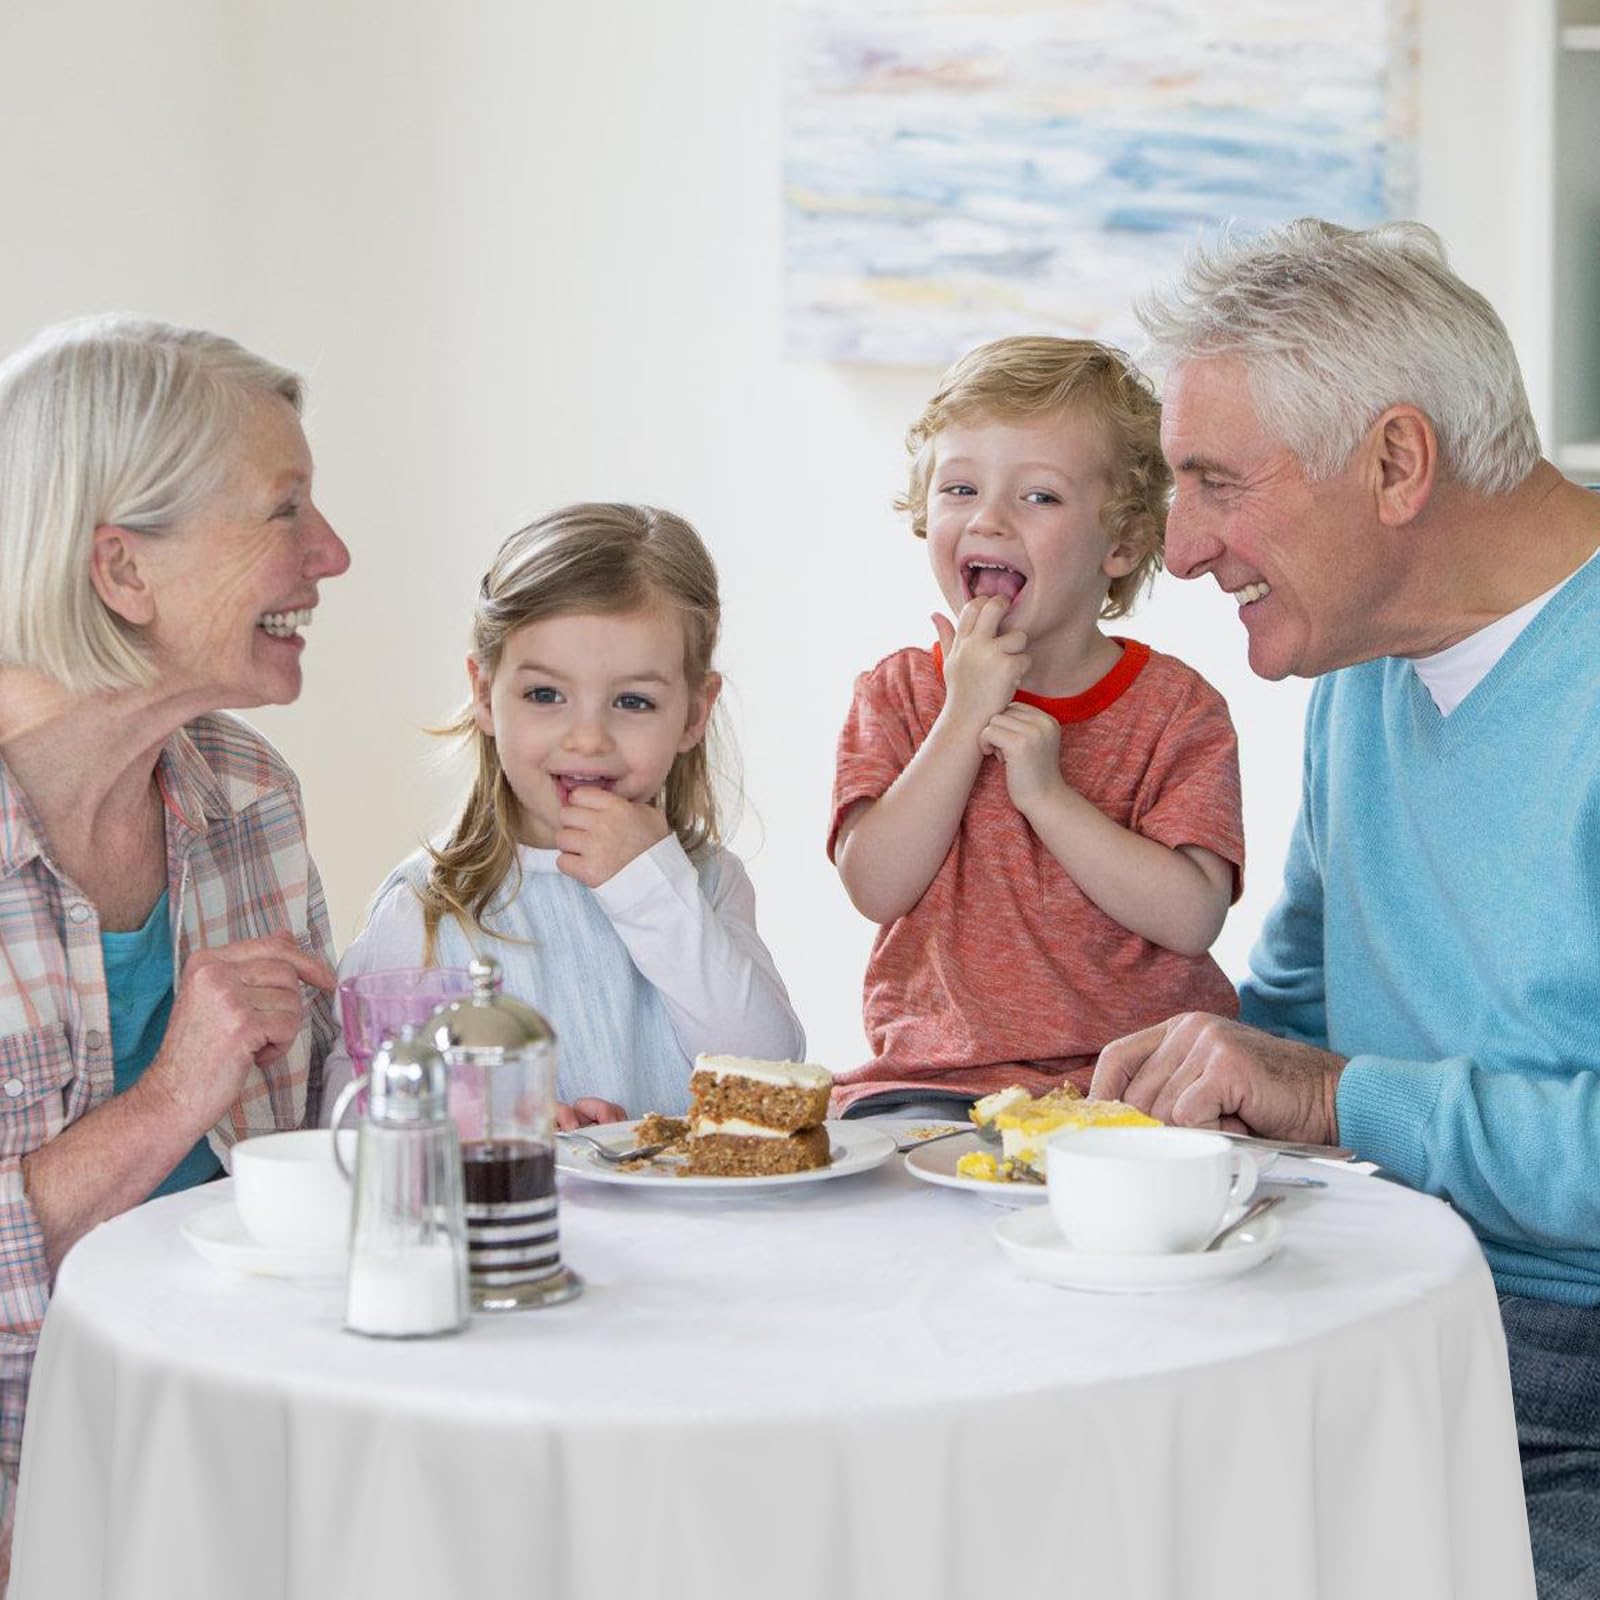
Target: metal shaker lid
[(487, 1021), (407, 1082)]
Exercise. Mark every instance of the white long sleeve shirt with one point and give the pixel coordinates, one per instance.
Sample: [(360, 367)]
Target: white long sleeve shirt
[(659, 963)]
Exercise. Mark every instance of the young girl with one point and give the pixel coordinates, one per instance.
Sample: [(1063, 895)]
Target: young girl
[(586, 860)]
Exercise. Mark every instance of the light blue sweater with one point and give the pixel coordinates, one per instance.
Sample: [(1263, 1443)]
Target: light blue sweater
[(1440, 926)]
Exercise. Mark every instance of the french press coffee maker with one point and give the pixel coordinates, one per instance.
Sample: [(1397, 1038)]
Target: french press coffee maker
[(500, 1057)]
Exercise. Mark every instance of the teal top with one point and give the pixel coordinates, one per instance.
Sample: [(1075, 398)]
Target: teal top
[(139, 989), (1440, 926)]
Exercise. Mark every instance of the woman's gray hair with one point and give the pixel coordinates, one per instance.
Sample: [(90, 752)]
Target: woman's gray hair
[(1335, 325), (107, 420)]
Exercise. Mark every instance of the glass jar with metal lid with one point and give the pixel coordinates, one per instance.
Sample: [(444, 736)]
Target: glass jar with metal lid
[(407, 1276), (500, 1055)]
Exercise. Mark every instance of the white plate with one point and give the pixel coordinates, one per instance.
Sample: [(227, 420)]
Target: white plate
[(936, 1163), (1035, 1246), (856, 1147), (219, 1235)]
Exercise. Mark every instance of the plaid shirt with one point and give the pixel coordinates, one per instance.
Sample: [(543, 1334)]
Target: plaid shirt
[(237, 868)]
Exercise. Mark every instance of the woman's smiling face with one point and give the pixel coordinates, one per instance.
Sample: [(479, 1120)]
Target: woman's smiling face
[(590, 699), (231, 586)]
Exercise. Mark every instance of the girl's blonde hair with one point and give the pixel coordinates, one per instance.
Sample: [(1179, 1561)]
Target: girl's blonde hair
[(1032, 376), (608, 559)]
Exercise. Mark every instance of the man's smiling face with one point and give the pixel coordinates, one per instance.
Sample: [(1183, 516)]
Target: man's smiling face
[(1304, 561)]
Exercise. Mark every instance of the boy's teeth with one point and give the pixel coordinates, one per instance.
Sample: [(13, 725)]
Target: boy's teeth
[(282, 624), (985, 578), (1252, 592)]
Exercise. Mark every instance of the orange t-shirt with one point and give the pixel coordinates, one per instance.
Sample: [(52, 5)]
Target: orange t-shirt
[(1004, 971)]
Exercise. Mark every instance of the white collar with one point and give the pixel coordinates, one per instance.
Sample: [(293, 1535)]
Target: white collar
[(1451, 674)]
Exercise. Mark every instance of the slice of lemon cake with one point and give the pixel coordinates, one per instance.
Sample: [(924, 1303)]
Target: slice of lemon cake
[(984, 1111), (752, 1119), (1025, 1126), (1025, 1130)]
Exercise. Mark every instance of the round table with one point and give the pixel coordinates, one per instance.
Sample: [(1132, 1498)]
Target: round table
[(839, 1389)]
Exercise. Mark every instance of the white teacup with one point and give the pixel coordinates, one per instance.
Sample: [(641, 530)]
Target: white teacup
[(1144, 1191), (290, 1194)]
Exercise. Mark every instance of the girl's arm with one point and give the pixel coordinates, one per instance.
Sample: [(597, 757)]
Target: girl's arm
[(702, 953), (1176, 898)]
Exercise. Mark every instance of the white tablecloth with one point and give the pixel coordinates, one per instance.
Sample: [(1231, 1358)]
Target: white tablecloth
[(841, 1390)]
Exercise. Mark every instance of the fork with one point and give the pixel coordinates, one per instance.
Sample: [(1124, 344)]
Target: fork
[(614, 1157), (916, 1143)]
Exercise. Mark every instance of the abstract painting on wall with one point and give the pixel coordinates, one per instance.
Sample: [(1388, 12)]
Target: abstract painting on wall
[(958, 171)]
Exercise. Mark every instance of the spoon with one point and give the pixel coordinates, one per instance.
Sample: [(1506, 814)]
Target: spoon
[(1257, 1208)]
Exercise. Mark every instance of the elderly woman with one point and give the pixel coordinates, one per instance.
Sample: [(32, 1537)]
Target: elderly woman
[(164, 947)]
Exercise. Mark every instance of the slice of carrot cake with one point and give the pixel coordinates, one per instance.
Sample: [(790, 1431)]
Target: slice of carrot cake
[(750, 1119)]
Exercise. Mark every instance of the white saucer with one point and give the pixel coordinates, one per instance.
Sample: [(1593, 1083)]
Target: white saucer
[(1036, 1248), (219, 1236)]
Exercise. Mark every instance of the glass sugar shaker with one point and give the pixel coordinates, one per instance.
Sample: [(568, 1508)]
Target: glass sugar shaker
[(407, 1276), (500, 1055)]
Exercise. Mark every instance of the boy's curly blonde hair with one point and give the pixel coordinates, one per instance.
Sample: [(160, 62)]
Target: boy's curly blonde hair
[(1031, 376)]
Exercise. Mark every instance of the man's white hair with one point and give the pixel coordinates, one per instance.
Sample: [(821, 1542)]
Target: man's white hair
[(1335, 325), (115, 420)]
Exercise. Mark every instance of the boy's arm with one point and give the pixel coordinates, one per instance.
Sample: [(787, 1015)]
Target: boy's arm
[(1174, 897), (889, 850)]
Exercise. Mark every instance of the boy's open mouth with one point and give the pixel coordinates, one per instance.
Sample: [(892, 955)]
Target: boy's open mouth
[(566, 782), (984, 578)]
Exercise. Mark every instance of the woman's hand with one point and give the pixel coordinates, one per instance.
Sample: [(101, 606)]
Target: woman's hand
[(601, 833), (237, 1006)]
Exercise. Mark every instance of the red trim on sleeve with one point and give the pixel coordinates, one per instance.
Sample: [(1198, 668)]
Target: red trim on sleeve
[(1096, 698)]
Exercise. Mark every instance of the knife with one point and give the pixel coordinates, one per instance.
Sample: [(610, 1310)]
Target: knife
[(1290, 1147)]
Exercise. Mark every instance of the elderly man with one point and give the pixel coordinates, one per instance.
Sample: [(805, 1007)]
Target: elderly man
[(1357, 467)]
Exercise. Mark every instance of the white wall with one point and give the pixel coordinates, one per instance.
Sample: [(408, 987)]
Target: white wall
[(529, 253)]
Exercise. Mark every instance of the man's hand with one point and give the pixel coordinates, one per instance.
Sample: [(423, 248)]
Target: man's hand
[(982, 666), (1028, 741), (1201, 1071), (601, 833)]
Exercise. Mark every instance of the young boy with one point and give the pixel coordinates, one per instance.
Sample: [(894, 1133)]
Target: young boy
[(1044, 820)]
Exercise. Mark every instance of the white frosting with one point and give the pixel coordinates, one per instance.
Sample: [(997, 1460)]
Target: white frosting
[(782, 1074), (736, 1125)]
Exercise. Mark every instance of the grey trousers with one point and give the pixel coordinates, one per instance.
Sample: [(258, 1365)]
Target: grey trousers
[(1554, 1352)]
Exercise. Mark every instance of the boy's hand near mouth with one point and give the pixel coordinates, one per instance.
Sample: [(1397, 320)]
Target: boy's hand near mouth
[(983, 667)]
